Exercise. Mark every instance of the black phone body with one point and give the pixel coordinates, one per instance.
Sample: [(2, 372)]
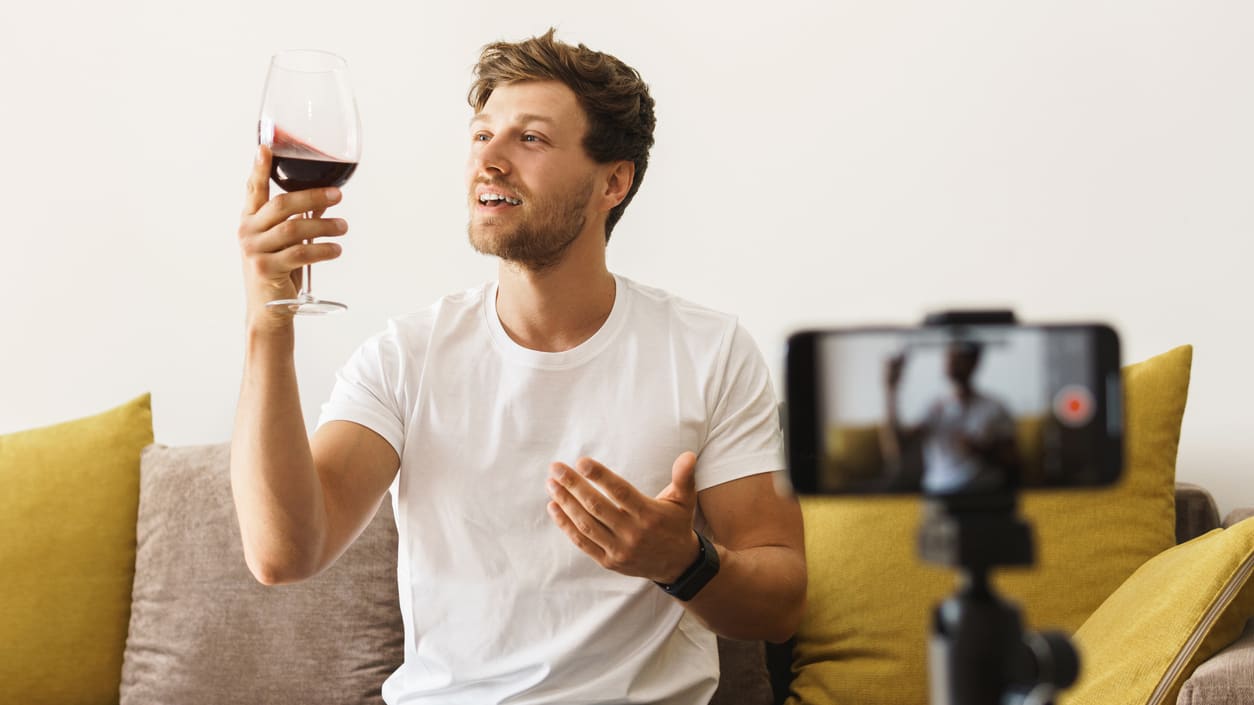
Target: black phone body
[(953, 409)]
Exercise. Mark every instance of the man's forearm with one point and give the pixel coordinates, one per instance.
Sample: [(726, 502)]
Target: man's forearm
[(278, 497), (759, 593)]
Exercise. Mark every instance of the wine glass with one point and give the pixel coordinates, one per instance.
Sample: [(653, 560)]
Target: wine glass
[(309, 121)]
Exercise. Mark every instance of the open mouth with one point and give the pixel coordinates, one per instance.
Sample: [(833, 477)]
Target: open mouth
[(498, 200)]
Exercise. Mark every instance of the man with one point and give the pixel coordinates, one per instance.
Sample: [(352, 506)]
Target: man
[(968, 437), (579, 465)]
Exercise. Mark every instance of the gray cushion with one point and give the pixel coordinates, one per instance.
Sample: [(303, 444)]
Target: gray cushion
[(1227, 678), (743, 679), (202, 630)]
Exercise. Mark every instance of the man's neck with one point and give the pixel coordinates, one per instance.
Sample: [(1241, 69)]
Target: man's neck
[(562, 306)]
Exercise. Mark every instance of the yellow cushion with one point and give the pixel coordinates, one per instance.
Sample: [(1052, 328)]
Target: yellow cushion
[(853, 453), (1176, 611), (67, 554), (869, 603)]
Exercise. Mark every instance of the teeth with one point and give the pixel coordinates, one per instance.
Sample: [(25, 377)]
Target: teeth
[(491, 197)]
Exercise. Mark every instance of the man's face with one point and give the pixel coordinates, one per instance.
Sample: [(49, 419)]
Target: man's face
[(530, 181), (960, 364)]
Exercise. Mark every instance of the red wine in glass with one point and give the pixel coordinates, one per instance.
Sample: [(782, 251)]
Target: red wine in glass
[(296, 166), (308, 101), (297, 174)]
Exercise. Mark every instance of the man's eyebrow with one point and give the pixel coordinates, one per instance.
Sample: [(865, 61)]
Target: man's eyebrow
[(522, 118)]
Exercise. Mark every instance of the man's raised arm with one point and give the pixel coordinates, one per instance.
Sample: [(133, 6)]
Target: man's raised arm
[(299, 504)]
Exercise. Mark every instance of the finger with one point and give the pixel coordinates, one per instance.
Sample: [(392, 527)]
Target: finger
[(258, 191), (286, 205), (683, 487), (572, 532), (624, 494), (297, 256), (586, 524), (297, 230), (594, 513)]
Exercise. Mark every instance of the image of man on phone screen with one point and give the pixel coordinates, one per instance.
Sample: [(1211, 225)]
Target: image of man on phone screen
[(967, 436)]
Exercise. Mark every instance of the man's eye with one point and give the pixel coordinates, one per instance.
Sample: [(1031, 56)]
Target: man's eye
[(530, 138)]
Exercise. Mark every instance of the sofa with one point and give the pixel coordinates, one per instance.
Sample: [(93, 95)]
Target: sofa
[(122, 580)]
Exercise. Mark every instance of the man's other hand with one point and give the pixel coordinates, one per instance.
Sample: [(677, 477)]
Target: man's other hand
[(621, 528)]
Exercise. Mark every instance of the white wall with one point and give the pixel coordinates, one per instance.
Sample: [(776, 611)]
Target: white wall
[(819, 162)]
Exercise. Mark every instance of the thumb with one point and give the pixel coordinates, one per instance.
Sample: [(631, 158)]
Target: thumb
[(683, 487)]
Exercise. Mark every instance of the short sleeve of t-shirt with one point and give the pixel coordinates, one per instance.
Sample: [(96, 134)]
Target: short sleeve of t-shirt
[(744, 432), (368, 388)]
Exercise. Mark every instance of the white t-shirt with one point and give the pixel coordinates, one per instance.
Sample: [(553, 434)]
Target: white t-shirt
[(498, 605), (947, 465)]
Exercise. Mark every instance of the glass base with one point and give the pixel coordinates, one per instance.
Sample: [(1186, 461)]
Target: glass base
[(305, 305)]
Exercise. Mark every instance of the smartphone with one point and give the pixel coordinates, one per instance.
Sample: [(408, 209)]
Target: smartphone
[(953, 409)]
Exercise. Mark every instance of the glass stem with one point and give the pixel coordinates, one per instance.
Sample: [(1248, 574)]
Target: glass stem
[(306, 272)]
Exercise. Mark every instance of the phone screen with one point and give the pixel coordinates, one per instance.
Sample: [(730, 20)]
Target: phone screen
[(954, 410)]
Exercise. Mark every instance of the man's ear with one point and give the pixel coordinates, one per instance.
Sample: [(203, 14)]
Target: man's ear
[(618, 183)]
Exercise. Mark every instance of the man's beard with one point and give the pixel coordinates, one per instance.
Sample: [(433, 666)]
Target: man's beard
[(537, 242)]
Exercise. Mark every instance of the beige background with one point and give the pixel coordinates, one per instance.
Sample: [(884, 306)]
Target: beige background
[(816, 163)]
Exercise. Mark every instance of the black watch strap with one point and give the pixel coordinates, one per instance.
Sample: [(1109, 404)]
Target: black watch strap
[(687, 585)]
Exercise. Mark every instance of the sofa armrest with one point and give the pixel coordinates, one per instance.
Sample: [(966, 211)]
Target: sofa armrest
[(1224, 679), (1196, 512), (1238, 515)]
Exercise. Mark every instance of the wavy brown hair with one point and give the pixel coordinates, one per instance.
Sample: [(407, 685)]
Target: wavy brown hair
[(611, 93)]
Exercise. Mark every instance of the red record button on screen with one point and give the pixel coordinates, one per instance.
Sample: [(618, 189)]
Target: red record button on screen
[(1074, 405)]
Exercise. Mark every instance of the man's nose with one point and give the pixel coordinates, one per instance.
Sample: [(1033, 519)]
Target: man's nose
[(491, 158)]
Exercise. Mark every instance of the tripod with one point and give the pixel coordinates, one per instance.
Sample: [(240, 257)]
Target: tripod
[(979, 653)]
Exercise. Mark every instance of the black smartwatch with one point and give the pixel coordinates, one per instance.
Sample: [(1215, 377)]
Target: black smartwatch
[(697, 575)]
